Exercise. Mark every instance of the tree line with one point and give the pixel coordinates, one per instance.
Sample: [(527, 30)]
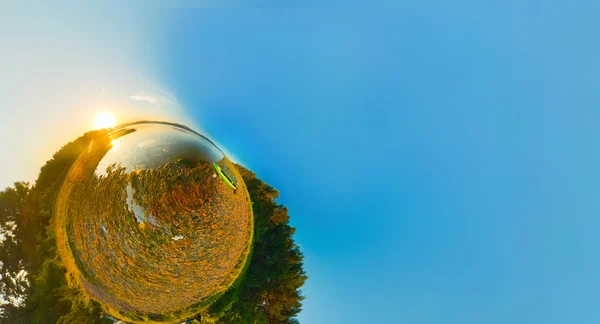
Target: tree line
[(33, 283)]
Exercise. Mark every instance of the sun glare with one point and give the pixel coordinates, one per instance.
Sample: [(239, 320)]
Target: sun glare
[(104, 119)]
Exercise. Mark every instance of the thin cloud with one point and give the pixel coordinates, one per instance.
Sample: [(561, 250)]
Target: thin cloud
[(145, 97), (157, 98)]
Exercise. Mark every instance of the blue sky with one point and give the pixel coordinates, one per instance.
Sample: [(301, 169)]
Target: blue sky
[(439, 160)]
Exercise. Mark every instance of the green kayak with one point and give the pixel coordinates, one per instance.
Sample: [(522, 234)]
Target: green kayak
[(224, 176)]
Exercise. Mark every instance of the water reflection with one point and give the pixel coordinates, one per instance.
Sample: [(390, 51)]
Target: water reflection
[(144, 208)]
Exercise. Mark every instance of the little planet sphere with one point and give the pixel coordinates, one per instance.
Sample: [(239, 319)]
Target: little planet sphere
[(153, 221)]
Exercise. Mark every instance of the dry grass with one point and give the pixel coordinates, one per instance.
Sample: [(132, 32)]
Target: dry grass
[(145, 272)]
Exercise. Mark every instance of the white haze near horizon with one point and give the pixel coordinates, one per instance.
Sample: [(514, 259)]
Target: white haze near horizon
[(59, 70)]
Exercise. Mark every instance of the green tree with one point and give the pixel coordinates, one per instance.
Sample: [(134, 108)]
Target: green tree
[(46, 297), (13, 282), (269, 292)]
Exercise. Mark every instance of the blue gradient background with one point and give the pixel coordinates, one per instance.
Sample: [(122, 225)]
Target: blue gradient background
[(440, 161)]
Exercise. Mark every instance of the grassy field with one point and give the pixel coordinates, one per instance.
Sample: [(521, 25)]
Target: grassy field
[(154, 245)]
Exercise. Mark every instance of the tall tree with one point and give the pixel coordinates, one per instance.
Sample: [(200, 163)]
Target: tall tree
[(270, 291), (13, 281)]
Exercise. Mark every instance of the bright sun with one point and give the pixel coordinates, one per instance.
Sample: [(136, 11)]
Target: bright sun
[(104, 119)]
